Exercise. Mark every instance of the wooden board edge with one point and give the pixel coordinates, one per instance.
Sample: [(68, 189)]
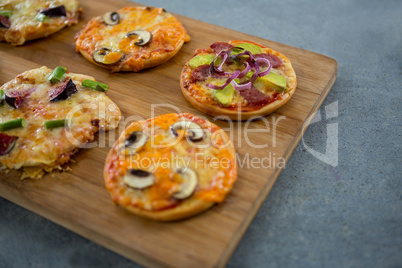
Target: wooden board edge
[(267, 188)]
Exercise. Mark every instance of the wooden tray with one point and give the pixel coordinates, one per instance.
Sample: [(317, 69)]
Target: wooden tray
[(78, 200)]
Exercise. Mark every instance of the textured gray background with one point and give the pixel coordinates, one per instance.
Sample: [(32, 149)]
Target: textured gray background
[(315, 216)]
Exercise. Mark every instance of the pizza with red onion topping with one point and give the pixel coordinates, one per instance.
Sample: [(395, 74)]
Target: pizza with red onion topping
[(238, 80)]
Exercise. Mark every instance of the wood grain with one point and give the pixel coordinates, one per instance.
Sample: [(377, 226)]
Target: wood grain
[(78, 200)]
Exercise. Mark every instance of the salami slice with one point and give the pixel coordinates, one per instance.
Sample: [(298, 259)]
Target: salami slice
[(254, 96), (275, 61), (201, 73), (219, 46)]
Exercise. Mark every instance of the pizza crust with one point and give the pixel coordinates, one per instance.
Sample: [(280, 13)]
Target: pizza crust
[(238, 115)]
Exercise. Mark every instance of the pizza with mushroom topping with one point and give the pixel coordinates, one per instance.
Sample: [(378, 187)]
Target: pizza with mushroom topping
[(170, 167), (238, 80), (131, 39), (24, 20), (47, 115)]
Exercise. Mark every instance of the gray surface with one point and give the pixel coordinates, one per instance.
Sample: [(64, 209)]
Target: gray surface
[(315, 216)]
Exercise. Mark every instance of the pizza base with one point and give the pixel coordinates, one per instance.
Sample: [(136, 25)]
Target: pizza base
[(238, 115), (186, 208), (148, 63)]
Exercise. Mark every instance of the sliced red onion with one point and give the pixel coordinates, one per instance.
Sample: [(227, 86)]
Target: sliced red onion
[(266, 61), (251, 63), (219, 68), (217, 74), (246, 70), (234, 76), (245, 53), (213, 86), (257, 71), (241, 86)]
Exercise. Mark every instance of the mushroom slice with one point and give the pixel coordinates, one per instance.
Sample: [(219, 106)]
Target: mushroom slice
[(136, 140), (187, 187), (111, 18), (194, 132), (138, 178), (143, 37), (107, 56)]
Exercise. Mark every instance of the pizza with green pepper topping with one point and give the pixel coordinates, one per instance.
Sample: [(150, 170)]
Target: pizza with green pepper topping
[(47, 115)]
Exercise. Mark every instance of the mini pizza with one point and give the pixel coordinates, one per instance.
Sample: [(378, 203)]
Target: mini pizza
[(131, 39), (170, 167), (238, 80), (47, 115), (24, 20)]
